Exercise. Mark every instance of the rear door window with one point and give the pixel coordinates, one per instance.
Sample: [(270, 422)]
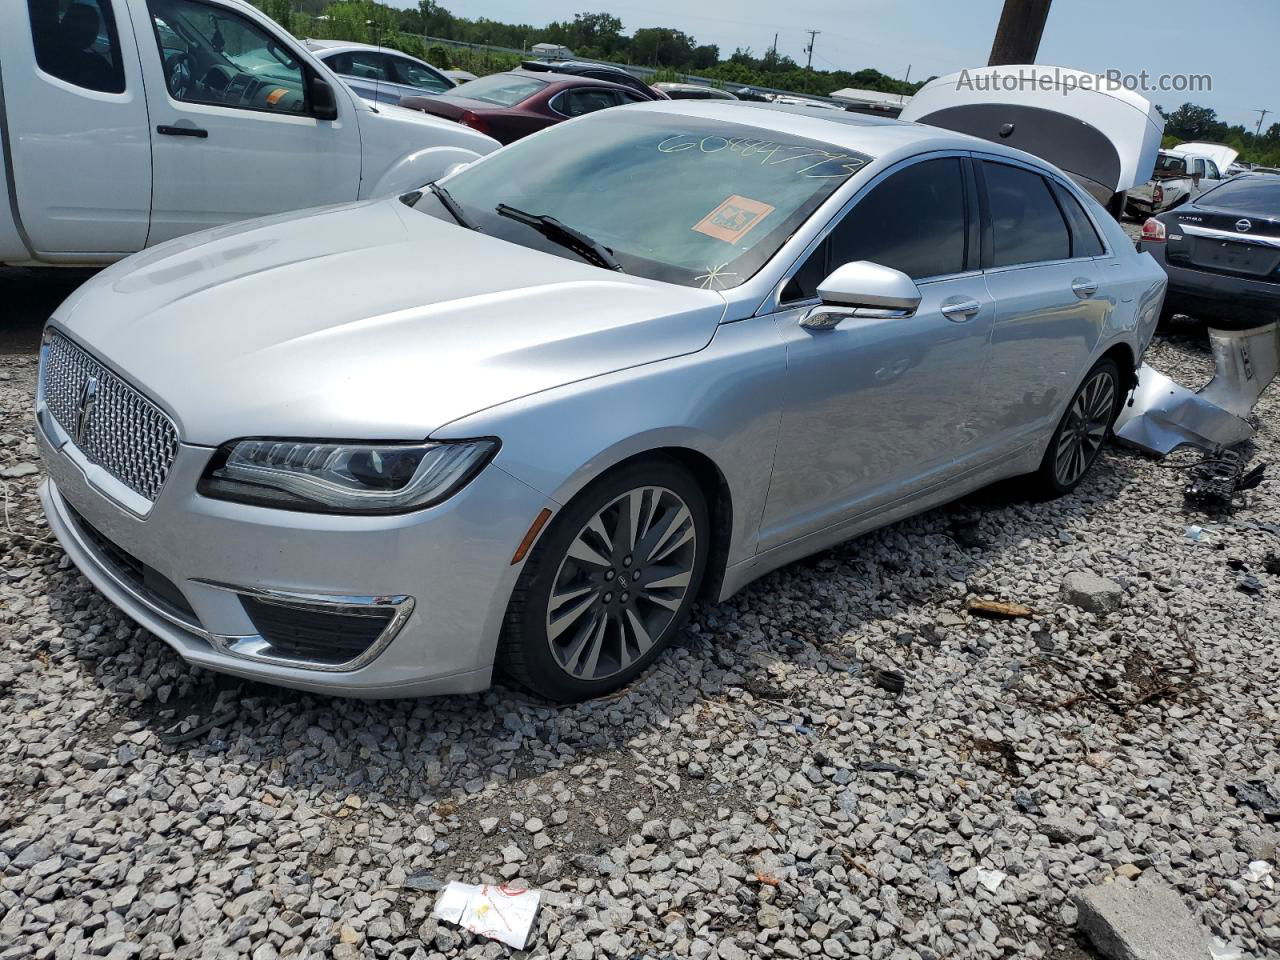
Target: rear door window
[(416, 75), (913, 221), (580, 100), (77, 42), (1027, 226), (367, 65), (1085, 241)]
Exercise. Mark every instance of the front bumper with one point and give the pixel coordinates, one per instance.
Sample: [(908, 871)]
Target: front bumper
[(453, 560)]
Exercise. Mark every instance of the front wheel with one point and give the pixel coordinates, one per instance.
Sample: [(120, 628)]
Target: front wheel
[(1078, 440), (609, 584)]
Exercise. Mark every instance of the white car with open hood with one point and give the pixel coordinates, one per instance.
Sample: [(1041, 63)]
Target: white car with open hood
[(1181, 174), (125, 123)]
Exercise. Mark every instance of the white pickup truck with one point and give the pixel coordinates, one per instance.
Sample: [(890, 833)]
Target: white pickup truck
[(125, 123), (1181, 173)]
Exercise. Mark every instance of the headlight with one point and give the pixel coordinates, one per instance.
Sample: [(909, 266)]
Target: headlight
[(344, 477)]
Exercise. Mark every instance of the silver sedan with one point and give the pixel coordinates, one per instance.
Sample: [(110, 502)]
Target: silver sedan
[(520, 419)]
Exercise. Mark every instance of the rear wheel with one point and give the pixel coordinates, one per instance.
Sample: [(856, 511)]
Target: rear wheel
[(609, 584), (1083, 429)]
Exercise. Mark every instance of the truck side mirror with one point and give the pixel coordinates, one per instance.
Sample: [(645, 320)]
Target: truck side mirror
[(324, 106)]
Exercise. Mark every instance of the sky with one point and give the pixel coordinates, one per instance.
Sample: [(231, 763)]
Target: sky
[(1234, 42)]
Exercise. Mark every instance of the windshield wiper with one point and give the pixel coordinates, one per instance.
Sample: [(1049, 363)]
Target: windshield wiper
[(450, 204), (566, 236)]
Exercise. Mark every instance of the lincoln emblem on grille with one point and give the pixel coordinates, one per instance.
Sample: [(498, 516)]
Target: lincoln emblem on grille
[(88, 397)]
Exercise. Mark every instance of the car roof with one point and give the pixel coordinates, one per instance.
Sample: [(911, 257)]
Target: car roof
[(338, 46), (675, 85), (558, 66), (880, 137), (554, 79)]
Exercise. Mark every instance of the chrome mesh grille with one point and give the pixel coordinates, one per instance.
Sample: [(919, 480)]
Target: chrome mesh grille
[(124, 432)]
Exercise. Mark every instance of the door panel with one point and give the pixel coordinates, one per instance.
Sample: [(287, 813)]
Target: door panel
[(1049, 312), (879, 409), (78, 130), (240, 142), (1045, 332), (876, 409)]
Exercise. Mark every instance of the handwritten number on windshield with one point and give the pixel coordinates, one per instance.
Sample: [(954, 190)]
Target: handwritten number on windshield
[(822, 165)]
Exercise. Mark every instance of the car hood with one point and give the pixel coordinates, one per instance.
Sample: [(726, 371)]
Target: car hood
[(1222, 155), (367, 320), (407, 123)]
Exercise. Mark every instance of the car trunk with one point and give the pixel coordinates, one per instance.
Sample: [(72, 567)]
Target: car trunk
[(451, 108), (1228, 249)]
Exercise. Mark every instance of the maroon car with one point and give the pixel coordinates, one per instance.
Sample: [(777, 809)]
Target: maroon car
[(508, 106)]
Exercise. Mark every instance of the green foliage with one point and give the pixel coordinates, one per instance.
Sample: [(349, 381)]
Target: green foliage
[(1193, 122), (589, 35), (441, 56)]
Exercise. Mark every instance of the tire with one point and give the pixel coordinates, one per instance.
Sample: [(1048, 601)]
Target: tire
[(571, 633), (1084, 428)]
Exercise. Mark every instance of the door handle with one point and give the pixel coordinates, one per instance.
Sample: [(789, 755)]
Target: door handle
[(960, 311), (1084, 288), (196, 132)]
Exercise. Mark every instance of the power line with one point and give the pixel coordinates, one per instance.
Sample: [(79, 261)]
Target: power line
[(1262, 115)]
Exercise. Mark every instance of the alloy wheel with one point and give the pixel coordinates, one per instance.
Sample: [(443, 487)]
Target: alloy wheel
[(1085, 428), (621, 583)]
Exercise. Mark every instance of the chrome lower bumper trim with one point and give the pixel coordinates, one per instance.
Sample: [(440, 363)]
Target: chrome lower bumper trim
[(257, 648)]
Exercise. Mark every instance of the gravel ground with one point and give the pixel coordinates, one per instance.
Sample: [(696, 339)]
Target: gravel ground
[(755, 795)]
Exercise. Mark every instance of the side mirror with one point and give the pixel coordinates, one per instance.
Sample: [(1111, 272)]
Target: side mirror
[(863, 288), (324, 106)]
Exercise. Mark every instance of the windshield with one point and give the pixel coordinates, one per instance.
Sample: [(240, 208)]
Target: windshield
[(686, 200), (1259, 196), (503, 89)]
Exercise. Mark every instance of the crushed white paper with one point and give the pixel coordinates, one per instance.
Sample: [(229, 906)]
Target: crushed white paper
[(1258, 870), (991, 879), (497, 912)]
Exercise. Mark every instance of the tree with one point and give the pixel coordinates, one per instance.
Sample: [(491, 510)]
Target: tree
[(601, 32), (662, 47), (705, 56), (1191, 122)]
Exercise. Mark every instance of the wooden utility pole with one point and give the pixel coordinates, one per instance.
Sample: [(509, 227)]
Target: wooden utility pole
[(813, 35), (1018, 35)]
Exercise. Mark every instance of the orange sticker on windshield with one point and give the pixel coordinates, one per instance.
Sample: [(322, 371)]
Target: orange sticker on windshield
[(274, 96), (732, 220)]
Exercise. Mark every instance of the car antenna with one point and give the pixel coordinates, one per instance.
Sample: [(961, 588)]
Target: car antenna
[(377, 80)]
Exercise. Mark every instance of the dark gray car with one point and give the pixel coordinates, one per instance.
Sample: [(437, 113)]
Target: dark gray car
[(1222, 253)]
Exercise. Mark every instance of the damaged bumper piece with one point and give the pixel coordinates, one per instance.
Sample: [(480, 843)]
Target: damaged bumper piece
[(1164, 415)]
